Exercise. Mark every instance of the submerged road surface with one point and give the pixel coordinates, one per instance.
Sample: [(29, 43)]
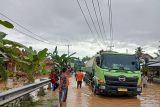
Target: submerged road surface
[(84, 98)]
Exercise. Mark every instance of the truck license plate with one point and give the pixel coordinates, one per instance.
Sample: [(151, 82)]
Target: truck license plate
[(122, 89)]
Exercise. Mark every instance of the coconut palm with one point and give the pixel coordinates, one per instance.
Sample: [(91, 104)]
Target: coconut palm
[(139, 52)]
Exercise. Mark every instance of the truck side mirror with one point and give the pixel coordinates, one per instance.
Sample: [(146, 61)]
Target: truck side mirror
[(98, 61)]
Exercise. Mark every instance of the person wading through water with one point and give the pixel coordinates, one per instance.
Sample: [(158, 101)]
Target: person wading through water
[(53, 80), (79, 78), (63, 86)]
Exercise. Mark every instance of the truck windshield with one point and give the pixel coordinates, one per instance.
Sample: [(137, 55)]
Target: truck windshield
[(120, 61)]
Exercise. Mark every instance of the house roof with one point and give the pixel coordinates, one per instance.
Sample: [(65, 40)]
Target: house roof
[(147, 56), (158, 58), (155, 65), (4, 56)]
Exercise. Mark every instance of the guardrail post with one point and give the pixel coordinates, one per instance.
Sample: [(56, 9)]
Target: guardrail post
[(49, 86), (41, 91)]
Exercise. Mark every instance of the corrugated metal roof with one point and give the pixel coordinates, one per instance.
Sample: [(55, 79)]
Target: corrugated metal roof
[(155, 65)]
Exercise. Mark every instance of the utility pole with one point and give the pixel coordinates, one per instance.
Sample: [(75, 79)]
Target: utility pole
[(126, 51), (159, 47), (110, 47), (68, 48)]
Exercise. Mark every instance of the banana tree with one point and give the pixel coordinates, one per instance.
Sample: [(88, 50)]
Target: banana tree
[(29, 62), (3, 72), (12, 50), (6, 24), (36, 61), (61, 60)]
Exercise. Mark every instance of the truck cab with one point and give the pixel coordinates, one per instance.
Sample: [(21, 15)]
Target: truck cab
[(114, 73)]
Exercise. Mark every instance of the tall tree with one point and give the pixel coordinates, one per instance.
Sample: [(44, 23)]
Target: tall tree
[(86, 58), (139, 52)]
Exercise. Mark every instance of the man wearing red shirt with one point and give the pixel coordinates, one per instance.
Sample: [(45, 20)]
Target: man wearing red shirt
[(53, 80)]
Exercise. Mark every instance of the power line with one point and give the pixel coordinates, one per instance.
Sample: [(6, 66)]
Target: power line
[(91, 19), (110, 24), (110, 21), (102, 20), (46, 41), (98, 21), (34, 37), (22, 27), (86, 19), (109, 17), (30, 36), (68, 49)]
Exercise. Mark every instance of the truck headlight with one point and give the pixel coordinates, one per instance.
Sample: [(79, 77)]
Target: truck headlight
[(139, 89), (102, 87), (101, 81)]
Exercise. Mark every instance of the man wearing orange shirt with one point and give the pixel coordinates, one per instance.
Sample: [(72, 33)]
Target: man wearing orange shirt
[(79, 78)]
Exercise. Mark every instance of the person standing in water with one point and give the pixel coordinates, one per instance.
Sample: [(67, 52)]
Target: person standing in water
[(53, 80), (145, 81), (79, 78), (63, 86)]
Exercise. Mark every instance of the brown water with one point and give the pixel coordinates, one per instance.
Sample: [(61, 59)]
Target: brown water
[(85, 98)]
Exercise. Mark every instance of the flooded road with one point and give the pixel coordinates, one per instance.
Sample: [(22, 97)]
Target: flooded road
[(85, 98)]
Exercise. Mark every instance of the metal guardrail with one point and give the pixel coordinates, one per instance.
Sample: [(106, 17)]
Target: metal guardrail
[(13, 94)]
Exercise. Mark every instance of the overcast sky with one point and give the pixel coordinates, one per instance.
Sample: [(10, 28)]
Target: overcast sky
[(60, 22)]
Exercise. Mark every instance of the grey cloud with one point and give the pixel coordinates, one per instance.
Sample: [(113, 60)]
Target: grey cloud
[(61, 21)]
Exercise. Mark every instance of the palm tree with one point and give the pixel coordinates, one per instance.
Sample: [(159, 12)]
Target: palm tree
[(139, 52)]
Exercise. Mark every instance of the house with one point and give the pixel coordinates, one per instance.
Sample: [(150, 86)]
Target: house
[(48, 63), (9, 65), (154, 66)]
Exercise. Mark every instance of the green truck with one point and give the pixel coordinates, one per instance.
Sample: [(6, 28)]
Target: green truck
[(114, 73)]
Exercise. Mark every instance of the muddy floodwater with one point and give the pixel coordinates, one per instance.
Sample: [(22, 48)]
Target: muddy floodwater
[(85, 98)]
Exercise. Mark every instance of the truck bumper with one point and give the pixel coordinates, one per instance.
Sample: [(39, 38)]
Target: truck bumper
[(114, 90)]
